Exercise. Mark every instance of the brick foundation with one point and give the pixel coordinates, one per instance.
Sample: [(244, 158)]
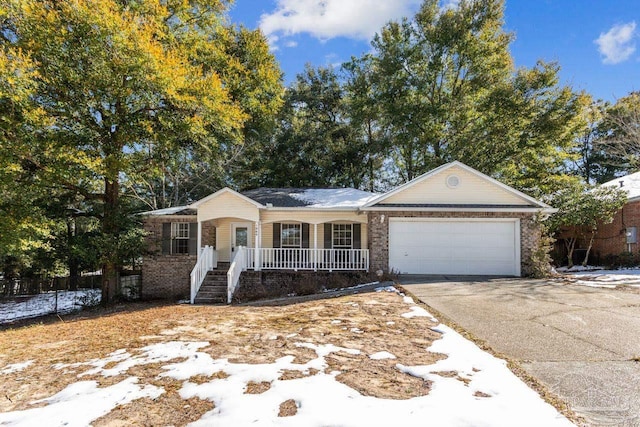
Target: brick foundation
[(255, 285), (379, 234), (167, 276)]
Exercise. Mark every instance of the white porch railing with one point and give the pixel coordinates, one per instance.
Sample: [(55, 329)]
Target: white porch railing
[(312, 259), (238, 265), (208, 261), (293, 259)]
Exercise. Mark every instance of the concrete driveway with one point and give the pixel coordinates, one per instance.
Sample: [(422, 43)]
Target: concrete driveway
[(580, 342)]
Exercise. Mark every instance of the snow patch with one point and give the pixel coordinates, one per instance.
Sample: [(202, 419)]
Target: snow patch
[(16, 367), (381, 355), (417, 311), (334, 197), (386, 289), (605, 278), (43, 304), (80, 403), (630, 183)]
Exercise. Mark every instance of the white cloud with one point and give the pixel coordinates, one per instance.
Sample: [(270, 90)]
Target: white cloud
[(449, 4), (291, 43), (272, 40), (617, 45), (326, 19)]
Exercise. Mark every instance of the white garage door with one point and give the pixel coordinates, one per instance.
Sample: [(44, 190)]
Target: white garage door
[(484, 247)]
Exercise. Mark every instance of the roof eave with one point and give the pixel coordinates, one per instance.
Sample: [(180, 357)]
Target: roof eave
[(524, 209), (169, 216), (313, 208)]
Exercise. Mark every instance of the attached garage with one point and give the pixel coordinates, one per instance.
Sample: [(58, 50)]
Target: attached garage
[(455, 220), (455, 246)]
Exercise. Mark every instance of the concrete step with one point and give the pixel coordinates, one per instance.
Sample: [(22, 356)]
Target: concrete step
[(211, 300), (212, 291), (214, 287)]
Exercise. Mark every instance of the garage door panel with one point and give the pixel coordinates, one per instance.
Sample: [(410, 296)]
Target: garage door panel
[(453, 247)]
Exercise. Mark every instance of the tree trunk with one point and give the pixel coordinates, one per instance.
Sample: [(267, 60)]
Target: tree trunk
[(570, 244), (72, 260), (110, 230), (586, 256), (73, 274)]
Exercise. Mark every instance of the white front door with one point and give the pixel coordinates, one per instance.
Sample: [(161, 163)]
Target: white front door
[(240, 236)]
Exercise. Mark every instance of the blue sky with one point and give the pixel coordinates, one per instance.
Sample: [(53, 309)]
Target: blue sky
[(594, 41)]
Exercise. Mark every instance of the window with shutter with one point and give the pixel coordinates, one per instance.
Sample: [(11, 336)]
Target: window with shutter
[(342, 237), (179, 238), (290, 235)]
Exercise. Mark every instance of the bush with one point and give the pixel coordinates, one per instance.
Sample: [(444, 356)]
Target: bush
[(622, 260)]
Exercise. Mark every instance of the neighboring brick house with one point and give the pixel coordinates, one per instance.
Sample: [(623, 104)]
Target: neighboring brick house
[(621, 236), (452, 220)]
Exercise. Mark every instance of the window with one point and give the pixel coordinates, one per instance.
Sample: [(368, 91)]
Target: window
[(342, 236), (291, 236), (179, 237)]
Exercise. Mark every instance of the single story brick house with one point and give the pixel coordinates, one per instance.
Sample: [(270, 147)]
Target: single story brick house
[(621, 235), (451, 220)]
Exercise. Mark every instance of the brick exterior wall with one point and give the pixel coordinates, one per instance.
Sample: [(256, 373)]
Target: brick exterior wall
[(379, 234), (611, 239), (167, 276)]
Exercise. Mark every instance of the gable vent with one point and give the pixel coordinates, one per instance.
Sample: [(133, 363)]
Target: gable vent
[(453, 181)]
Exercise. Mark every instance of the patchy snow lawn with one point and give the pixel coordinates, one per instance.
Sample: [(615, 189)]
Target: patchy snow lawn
[(374, 359), (591, 276), (43, 304)]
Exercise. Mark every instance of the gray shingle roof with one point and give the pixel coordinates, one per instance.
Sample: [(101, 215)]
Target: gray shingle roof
[(278, 197), (328, 198)]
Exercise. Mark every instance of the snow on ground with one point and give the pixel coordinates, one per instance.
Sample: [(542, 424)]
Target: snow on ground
[(490, 395), (602, 278), (40, 305), (381, 355), (16, 367), (334, 197), (80, 403)]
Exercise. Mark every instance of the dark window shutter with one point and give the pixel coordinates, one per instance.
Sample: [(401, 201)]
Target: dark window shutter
[(328, 235), (305, 235), (166, 238), (193, 238), (357, 236), (276, 234)]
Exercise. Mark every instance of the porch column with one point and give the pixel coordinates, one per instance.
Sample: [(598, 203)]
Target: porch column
[(257, 245), (315, 247), (199, 239)]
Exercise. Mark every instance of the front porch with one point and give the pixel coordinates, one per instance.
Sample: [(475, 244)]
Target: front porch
[(232, 228), (259, 259)]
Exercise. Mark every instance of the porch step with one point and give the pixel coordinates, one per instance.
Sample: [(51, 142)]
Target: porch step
[(213, 289), (212, 294)]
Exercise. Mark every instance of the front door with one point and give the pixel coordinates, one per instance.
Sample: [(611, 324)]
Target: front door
[(240, 236)]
